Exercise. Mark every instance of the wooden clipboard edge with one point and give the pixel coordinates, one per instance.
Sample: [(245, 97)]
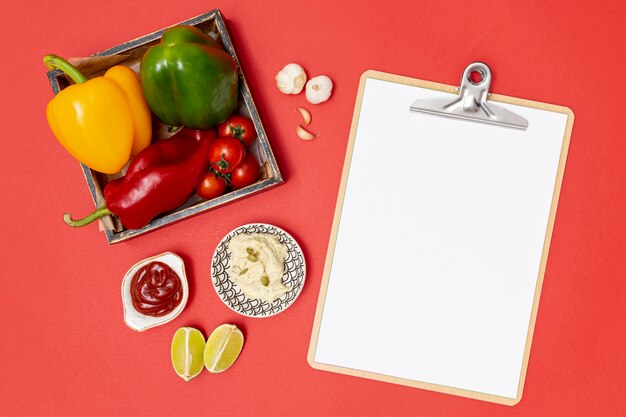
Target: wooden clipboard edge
[(372, 74)]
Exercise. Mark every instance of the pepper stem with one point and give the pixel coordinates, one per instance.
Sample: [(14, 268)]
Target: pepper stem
[(54, 61), (173, 129), (100, 212)]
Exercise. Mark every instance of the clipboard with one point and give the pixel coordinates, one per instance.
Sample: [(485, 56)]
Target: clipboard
[(440, 237)]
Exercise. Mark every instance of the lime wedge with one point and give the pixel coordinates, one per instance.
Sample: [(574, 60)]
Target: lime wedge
[(187, 350), (222, 348)]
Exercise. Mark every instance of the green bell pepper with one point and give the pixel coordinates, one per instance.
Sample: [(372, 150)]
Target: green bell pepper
[(189, 80)]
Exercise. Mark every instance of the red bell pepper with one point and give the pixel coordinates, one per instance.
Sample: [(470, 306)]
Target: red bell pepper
[(161, 178)]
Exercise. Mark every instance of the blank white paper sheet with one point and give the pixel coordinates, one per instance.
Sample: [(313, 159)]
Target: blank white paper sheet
[(439, 244)]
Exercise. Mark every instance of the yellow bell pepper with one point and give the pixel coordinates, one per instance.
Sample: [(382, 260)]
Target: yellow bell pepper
[(101, 121)]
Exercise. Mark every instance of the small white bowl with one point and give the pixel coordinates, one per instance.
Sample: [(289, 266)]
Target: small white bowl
[(294, 274), (140, 322)]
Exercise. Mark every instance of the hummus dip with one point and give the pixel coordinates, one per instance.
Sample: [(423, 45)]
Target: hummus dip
[(256, 265)]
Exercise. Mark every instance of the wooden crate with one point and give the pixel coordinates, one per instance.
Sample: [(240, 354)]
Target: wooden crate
[(130, 54)]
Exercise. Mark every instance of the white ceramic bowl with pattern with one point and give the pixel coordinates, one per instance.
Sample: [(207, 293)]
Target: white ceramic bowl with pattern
[(294, 274)]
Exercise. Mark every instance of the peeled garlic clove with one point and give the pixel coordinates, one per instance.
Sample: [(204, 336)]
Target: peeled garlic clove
[(304, 134), (291, 79), (318, 89), (138, 321), (306, 116)]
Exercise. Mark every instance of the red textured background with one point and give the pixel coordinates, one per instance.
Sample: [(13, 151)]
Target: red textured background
[(64, 350)]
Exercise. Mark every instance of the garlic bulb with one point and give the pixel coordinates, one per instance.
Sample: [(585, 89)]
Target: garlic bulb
[(318, 89), (291, 79)]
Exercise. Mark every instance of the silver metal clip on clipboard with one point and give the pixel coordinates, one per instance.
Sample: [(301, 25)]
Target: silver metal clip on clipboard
[(472, 102)]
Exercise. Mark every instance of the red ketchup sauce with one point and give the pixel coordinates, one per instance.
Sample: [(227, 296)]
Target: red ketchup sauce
[(155, 289)]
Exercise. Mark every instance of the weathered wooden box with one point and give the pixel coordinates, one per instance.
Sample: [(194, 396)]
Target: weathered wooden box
[(130, 54)]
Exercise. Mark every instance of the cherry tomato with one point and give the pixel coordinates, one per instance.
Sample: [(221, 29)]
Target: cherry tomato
[(239, 127), (246, 173), (225, 154), (211, 186)]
